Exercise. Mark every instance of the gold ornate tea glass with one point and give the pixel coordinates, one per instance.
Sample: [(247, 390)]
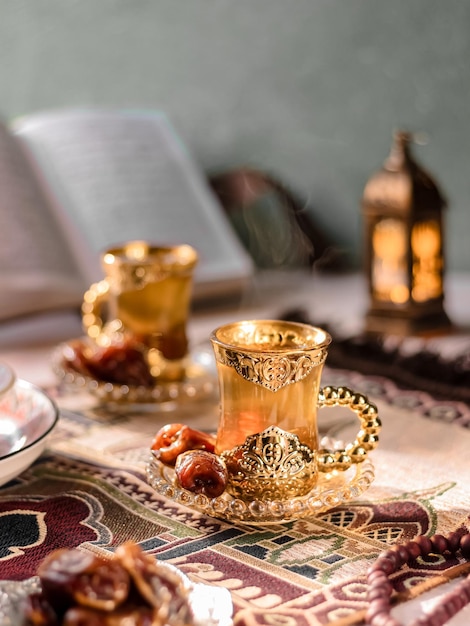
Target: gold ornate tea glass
[(269, 377), (145, 295)]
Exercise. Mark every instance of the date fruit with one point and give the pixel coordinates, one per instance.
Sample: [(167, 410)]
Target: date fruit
[(203, 472), (174, 439), (161, 588), (39, 611), (80, 577), (122, 363), (130, 588)]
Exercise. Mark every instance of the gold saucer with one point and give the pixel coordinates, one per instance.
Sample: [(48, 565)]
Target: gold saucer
[(331, 490), (198, 383)]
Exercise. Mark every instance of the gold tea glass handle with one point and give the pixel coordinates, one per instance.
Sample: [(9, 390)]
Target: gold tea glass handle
[(93, 300), (367, 437)]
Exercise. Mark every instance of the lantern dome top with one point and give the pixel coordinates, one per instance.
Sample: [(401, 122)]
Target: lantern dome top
[(402, 185)]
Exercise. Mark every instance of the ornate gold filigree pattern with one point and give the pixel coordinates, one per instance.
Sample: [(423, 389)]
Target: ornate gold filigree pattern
[(137, 264), (273, 463), (271, 370), (137, 277)]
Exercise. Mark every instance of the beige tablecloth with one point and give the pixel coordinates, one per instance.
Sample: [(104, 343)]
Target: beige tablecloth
[(90, 489)]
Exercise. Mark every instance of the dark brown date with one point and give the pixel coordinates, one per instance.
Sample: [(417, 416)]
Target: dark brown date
[(74, 576), (203, 472), (129, 589), (105, 587), (140, 567), (122, 363), (174, 439), (39, 612), (156, 585), (58, 573)]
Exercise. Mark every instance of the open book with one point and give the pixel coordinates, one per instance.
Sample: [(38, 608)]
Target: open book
[(75, 182)]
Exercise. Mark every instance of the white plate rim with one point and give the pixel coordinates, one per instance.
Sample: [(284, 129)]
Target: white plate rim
[(38, 392)]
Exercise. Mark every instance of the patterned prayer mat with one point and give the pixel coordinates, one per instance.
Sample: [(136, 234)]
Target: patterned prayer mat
[(90, 490)]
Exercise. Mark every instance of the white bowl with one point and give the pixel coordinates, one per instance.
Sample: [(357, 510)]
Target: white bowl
[(7, 379), (27, 418)]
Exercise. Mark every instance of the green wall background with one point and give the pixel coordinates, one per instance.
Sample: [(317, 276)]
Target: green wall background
[(310, 90)]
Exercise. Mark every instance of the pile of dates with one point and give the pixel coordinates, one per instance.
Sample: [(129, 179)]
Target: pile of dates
[(121, 363), (129, 589), (192, 454)]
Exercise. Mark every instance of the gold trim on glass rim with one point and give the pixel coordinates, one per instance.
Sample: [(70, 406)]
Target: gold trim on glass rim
[(138, 263), (271, 353)]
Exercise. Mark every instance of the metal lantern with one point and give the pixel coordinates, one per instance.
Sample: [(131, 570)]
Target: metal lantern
[(404, 254)]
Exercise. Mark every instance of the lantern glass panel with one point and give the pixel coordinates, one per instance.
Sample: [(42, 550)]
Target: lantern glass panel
[(427, 261), (389, 261)]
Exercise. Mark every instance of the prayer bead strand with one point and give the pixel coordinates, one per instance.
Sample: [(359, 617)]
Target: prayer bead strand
[(390, 561)]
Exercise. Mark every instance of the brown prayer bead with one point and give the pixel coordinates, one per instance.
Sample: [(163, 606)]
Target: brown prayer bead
[(465, 545), (380, 589)]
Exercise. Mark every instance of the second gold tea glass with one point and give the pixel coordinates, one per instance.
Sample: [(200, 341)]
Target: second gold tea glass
[(146, 294)]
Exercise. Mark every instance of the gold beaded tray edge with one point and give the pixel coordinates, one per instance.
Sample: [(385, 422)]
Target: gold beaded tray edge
[(199, 382), (332, 489)]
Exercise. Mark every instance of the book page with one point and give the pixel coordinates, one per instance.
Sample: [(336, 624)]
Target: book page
[(37, 272), (41, 329), (125, 175)]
